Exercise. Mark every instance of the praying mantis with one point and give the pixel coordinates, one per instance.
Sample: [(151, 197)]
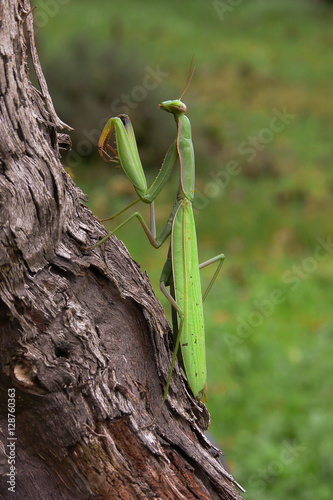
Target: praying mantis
[(181, 269)]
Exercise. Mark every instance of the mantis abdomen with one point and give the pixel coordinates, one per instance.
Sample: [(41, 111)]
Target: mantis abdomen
[(186, 279)]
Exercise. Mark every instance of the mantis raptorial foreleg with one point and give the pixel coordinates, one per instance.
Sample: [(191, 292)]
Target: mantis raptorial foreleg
[(129, 160), (128, 157)]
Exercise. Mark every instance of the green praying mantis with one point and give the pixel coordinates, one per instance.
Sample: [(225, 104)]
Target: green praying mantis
[(181, 269)]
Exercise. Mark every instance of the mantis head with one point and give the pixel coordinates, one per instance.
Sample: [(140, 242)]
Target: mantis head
[(175, 107)]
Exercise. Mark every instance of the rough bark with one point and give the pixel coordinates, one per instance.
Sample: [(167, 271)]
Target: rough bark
[(83, 341)]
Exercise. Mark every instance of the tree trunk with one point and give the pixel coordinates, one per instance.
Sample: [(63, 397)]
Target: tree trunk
[(85, 347)]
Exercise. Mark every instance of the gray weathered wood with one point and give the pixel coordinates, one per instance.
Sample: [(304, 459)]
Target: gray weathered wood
[(83, 339)]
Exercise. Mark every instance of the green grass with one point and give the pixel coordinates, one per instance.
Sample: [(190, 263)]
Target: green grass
[(268, 319)]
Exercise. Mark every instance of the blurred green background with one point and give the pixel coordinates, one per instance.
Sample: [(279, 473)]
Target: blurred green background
[(260, 104)]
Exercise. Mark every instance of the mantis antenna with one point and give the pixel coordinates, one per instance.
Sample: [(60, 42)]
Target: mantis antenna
[(189, 77)]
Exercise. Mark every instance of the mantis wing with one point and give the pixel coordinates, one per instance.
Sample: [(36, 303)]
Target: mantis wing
[(188, 297)]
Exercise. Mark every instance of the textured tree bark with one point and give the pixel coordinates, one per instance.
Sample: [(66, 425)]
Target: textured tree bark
[(84, 344)]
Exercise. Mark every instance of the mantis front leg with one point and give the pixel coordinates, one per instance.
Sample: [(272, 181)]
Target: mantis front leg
[(128, 157)]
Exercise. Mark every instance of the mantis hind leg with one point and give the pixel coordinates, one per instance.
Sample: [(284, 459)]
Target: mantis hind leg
[(218, 258), (167, 280), (177, 332), (177, 326)]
